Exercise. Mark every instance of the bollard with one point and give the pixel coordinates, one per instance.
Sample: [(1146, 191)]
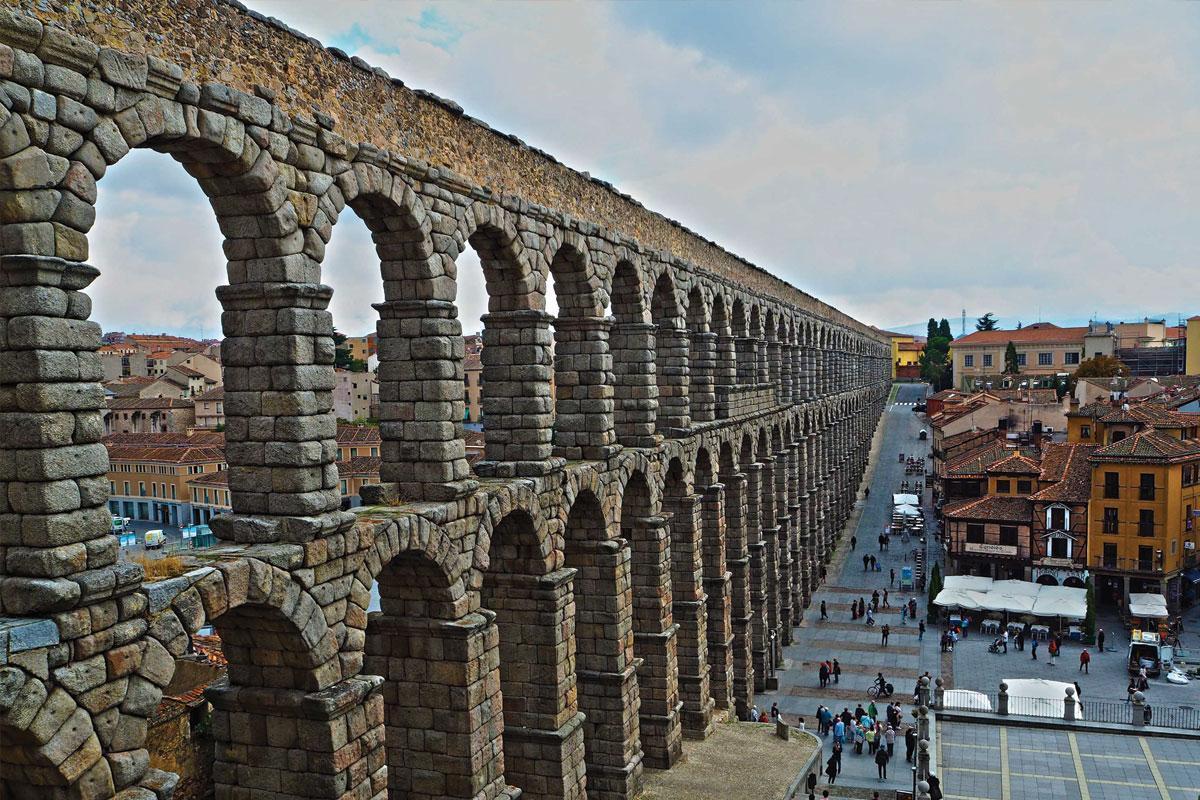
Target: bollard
[(922, 790), (923, 759), (1002, 700), (923, 691), (1139, 710), (1069, 705), (939, 693), (922, 723)]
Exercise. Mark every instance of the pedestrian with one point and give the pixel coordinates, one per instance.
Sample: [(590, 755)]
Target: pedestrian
[(910, 743), (1085, 658), (881, 759), (966, 623), (831, 770), (811, 784), (853, 542), (839, 731), (912, 607), (1033, 649), (886, 604), (837, 671), (890, 737), (823, 674), (871, 740), (866, 561), (1147, 714), (859, 713), (1052, 648), (1130, 689), (1003, 641), (904, 615), (754, 713), (872, 711), (881, 542), (892, 580), (884, 631), (774, 712), (824, 611), (873, 563), (1100, 641), (867, 492), (837, 754), (1020, 641), (859, 738), (823, 573), (762, 717), (875, 601), (921, 631)]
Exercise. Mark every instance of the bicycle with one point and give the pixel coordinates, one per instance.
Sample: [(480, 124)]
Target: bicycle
[(887, 691)]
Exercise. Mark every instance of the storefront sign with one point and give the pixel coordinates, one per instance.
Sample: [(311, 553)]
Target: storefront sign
[(990, 549)]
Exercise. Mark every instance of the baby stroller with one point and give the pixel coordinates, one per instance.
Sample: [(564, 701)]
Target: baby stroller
[(997, 645)]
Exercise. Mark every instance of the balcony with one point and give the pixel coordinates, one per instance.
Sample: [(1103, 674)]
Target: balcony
[(1122, 564)]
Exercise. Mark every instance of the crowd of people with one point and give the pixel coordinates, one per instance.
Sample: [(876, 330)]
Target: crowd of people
[(865, 730)]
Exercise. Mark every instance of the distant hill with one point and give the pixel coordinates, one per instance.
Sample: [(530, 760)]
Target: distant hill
[(919, 328)]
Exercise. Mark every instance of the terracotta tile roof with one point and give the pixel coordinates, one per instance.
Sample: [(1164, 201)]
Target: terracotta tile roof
[(1068, 467), (1035, 396), (975, 463), (146, 403), (1091, 410), (193, 439), (1015, 464), (993, 508), (169, 455), (473, 438), (1039, 333), (946, 395), (1146, 447), (187, 372), (472, 362), (219, 479), (910, 346), (215, 393), (359, 465), (358, 434)]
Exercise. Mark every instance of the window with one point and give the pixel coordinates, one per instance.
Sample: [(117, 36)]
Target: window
[(172, 491), (987, 359), (1045, 359), (112, 489), (1112, 485), (1146, 522), (1008, 535), (1111, 520), (1024, 487), (1085, 431), (374, 452), (1003, 487), (1059, 547), (968, 361), (1146, 486), (1070, 359), (344, 489), (1145, 558), (1110, 555), (1187, 518), (1058, 519), (1020, 359), (974, 533), (141, 488), (126, 492)]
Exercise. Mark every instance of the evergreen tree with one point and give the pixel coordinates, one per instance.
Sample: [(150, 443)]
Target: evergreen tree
[(1011, 367), (931, 330), (986, 323), (944, 331), (935, 587), (1089, 622)]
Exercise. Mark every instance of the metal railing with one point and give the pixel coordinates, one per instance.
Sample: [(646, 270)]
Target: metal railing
[(1109, 712)]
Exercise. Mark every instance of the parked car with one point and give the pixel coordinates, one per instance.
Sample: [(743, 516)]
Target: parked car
[(154, 539)]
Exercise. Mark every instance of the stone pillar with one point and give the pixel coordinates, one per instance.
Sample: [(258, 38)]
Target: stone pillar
[(738, 561), (56, 540), (701, 366), (674, 418), (797, 555), (763, 359), (770, 538), (785, 374), (443, 706), (279, 743), (421, 400), (810, 374), (583, 385), (604, 666), (280, 432), (654, 645), (747, 361), (517, 408), (635, 389), (783, 555), (543, 729), (717, 585), (799, 392), (725, 378), (774, 364), (758, 577), (689, 608)]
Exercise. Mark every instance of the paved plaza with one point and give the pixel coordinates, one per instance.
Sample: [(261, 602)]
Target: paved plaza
[(993, 762)]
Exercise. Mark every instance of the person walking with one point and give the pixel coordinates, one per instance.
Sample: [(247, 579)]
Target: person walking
[(1130, 689), (871, 739), (1003, 641), (884, 631), (866, 561), (1052, 649), (824, 611), (839, 731), (904, 614), (1100, 641), (1019, 639), (859, 737), (921, 631), (837, 753), (889, 736), (910, 744), (774, 712), (1033, 648), (1085, 658), (853, 542), (886, 604), (831, 770), (912, 607), (823, 674), (892, 580), (837, 671), (881, 760)]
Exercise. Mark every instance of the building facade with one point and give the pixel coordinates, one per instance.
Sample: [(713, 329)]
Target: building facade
[(1044, 352)]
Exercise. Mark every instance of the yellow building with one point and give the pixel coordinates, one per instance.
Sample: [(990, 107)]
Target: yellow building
[(361, 347), (149, 475), (1141, 517), (1193, 346), (906, 351)]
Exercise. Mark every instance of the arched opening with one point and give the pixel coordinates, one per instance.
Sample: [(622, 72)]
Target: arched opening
[(653, 628), (759, 345), (725, 363), (583, 374), (635, 388), (702, 354), (608, 685), (534, 609), (737, 562), (1047, 580), (1074, 581), (671, 359)]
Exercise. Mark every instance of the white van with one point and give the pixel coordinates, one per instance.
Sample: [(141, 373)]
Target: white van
[(155, 539)]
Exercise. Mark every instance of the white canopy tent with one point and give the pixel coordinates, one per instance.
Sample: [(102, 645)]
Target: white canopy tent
[(907, 511), (905, 500), (1147, 605), (966, 700), (1038, 697), (974, 583), (972, 593)]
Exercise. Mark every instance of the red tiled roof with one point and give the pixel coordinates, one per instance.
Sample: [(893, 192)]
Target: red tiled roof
[(997, 508), (215, 393), (146, 403), (359, 465), (219, 479), (974, 464), (358, 434), (193, 439), (170, 455), (1015, 464), (1039, 333), (1148, 446), (1068, 467)]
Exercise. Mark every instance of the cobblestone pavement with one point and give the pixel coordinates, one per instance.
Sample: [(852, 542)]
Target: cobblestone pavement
[(991, 762), (856, 646)]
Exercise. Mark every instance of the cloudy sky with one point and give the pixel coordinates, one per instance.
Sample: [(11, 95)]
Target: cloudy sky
[(897, 160)]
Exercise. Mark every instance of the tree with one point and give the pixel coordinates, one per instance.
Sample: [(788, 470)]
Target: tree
[(931, 330), (1101, 366), (341, 353), (935, 357), (986, 323), (1011, 367), (944, 331), (935, 587)]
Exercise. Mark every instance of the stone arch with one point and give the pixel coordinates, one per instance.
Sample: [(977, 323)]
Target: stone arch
[(702, 355), (633, 346), (671, 358), (576, 283), (520, 498), (628, 294), (419, 565)]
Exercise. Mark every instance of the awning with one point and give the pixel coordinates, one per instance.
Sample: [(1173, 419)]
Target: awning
[(1016, 597), (1038, 697), (905, 499), (1143, 604), (907, 511)]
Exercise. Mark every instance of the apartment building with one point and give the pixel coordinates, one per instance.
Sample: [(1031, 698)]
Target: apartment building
[(355, 395), (149, 474), (210, 409), (1044, 352), (148, 415)]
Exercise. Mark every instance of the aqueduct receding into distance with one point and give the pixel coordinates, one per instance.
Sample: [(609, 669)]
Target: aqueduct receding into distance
[(619, 565)]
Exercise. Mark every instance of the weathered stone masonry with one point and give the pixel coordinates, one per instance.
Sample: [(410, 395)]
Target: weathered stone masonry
[(618, 568)]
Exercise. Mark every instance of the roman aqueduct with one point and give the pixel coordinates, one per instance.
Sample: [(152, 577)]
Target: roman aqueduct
[(625, 560)]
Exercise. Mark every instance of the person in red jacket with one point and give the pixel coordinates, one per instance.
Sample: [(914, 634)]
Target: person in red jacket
[(1085, 658)]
